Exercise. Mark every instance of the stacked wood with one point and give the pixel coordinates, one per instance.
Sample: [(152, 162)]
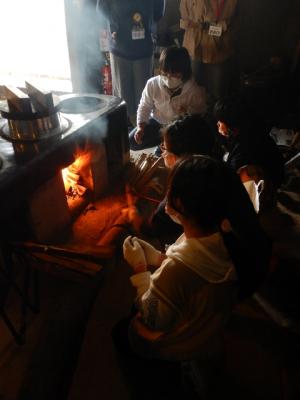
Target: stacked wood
[(17, 100), (142, 173), (42, 100), (32, 99), (72, 177)]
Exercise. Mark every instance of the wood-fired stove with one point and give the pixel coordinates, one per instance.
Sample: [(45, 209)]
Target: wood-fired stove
[(34, 204), (31, 183)]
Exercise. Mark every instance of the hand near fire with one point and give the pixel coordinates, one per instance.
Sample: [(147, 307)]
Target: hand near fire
[(134, 254)]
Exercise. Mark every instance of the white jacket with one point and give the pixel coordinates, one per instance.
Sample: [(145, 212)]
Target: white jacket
[(156, 101), (186, 300)]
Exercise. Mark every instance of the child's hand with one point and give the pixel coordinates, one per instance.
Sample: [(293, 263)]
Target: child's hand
[(153, 256), (134, 255)]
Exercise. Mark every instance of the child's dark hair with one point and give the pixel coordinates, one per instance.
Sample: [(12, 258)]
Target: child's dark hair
[(237, 111), (176, 59), (197, 190), (230, 111), (189, 135)]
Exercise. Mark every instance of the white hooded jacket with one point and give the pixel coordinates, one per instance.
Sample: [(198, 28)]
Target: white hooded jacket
[(186, 300)]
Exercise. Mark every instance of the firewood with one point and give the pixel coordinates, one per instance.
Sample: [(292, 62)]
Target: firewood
[(141, 158), (144, 167), (140, 167), (144, 179), (142, 174), (72, 177), (42, 100), (81, 190), (88, 253), (17, 100)]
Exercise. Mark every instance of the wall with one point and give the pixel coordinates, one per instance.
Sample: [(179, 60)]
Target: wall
[(267, 28)]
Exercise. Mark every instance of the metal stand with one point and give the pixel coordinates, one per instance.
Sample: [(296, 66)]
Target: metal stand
[(27, 289)]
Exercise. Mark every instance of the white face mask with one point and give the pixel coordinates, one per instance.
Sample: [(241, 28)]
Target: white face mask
[(171, 82)]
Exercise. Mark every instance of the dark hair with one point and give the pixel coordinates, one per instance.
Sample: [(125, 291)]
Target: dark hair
[(231, 111), (197, 189), (176, 59), (189, 135)]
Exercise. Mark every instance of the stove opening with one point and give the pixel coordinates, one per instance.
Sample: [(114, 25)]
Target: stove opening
[(78, 180), (60, 200)]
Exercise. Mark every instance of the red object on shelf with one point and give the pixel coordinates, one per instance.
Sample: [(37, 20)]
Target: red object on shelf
[(106, 78)]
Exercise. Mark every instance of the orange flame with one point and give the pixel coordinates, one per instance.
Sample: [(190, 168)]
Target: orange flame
[(77, 176)]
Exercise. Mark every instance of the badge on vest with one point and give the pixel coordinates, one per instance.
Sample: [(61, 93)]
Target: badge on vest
[(138, 31), (215, 30)]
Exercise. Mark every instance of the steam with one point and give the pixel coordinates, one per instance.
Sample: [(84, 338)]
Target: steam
[(84, 24)]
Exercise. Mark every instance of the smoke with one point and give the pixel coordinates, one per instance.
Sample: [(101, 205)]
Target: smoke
[(84, 25)]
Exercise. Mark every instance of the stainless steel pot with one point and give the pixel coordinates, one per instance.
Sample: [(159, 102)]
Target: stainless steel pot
[(34, 129), (31, 116), (20, 126)]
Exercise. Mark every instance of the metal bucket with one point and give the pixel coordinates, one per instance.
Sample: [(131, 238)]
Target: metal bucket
[(34, 129)]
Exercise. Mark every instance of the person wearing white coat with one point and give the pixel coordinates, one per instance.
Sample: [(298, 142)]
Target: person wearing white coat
[(166, 97)]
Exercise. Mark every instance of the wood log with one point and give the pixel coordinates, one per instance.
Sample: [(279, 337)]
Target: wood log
[(42, 100), (83, 266), (144, 179), (88, 253), (139, 165), (17, 100), (146, 164)]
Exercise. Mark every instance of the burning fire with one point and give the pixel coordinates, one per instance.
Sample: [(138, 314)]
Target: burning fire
[(77, 176)]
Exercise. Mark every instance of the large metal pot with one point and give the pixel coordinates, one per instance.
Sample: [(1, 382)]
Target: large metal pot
[(30, 114), (36, 126), (34, 129)]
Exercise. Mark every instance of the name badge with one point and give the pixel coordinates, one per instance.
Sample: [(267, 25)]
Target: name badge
[(215, 30), (137, 33)]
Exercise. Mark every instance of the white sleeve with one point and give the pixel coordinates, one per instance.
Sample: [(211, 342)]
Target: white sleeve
[(141, 282), (197, 103), (146, 104), (157, 310)]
